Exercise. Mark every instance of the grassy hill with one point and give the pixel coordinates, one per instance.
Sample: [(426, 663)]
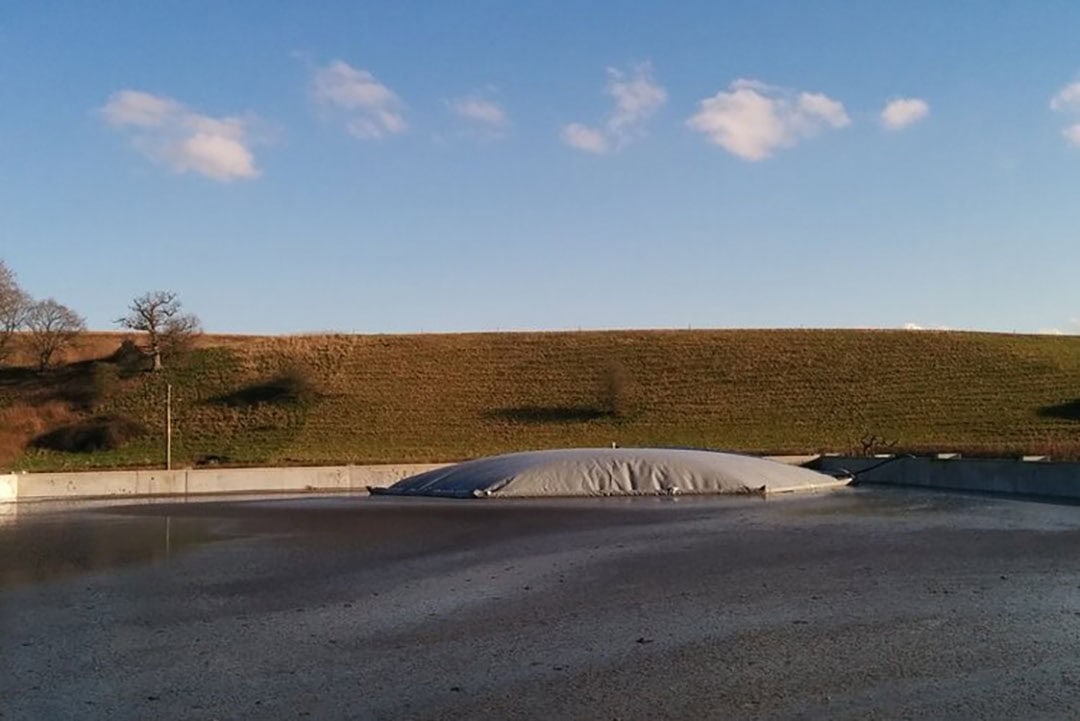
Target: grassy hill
[(384, 398)]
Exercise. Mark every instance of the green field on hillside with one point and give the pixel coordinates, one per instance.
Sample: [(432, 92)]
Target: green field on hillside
[(388, 398)]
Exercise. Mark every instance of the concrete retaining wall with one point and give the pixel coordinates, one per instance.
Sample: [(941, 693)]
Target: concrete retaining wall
[(8, 488), (112, 484), (42, 486), (993, 475)]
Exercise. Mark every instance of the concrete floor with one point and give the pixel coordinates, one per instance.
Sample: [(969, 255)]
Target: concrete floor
[(849, 605)]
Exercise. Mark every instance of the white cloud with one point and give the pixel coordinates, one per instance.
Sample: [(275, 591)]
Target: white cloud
[(370, 109), (637, 96), (1070, 327), (485, 116), (899, 113), (217, 156), (1067, 98), (753, 120), (1072, 135), (167, 131), (916, 326), (820, 106), (481, 110), (142, 110), (585, 138)]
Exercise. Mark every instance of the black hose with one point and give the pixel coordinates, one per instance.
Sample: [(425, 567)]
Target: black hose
[(854, 475)]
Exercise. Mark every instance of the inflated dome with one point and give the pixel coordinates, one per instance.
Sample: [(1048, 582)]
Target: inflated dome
[(609, 472)]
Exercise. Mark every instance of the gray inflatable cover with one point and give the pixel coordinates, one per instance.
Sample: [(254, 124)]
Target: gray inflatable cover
[(609, 472)]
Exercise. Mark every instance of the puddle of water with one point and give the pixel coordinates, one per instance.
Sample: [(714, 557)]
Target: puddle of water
[(54, 540), (862, 504), (50, 541), (40, 547)]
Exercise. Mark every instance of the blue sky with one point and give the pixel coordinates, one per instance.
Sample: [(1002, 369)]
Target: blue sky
[(428, 166)]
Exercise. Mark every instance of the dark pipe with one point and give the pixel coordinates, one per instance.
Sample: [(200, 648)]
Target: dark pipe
[(854, 475)]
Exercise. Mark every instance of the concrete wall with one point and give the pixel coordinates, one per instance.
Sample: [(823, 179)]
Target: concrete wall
[(113, 484), (994, 475), (41, 486), (9, 487)]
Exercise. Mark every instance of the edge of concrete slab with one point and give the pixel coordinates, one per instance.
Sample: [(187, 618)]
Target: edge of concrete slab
[(22, 487), (810, 487), (1029, 478)]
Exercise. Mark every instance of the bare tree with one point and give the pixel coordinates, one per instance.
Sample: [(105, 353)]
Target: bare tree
[(872, 444), (52, 328), (159, 315), (14, 303)]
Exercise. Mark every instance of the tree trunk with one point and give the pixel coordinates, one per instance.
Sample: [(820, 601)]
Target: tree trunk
[(157, 360)]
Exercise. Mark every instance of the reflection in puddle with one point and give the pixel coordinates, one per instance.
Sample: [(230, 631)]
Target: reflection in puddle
[(45, 542), (42, 547), (8, 513), (866, 501)]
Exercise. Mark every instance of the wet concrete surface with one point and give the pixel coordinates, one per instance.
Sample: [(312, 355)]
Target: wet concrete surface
[(862, 603)]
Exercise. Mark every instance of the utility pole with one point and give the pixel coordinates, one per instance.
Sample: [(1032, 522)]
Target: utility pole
[(168, 427)]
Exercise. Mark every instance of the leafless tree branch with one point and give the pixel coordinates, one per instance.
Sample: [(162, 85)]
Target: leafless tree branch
[(52, 327), (159, 314)]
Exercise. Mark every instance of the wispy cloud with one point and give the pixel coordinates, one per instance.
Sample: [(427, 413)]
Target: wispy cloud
[(167, 131), (585, 138), (369, 109), (636, 97), (899, 113), (753, 120), (1067, 100), (486, 115)]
